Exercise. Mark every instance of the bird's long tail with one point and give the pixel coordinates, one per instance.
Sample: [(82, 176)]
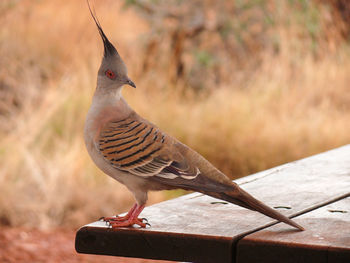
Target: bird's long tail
[(239, 197)]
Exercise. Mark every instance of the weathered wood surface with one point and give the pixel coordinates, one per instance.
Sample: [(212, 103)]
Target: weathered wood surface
[(326, 239), (203, 229)]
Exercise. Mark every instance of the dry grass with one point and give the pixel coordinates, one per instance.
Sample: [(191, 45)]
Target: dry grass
[(291, 107)]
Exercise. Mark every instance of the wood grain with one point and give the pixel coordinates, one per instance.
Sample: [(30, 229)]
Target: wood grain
[(203, 229), (326, 239)]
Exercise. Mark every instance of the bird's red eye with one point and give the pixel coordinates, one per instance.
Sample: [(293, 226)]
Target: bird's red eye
[(110, 74)]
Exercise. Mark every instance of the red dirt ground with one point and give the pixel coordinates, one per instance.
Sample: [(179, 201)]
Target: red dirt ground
[(28, 245)]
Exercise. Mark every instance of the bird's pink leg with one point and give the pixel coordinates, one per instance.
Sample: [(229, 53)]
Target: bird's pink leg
[(129, 220), (120, 218), (132, 220)]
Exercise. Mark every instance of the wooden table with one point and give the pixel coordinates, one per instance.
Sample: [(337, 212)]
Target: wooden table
[(197, 228)]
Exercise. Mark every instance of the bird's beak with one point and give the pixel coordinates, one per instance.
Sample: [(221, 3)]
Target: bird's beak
[(131, 83)]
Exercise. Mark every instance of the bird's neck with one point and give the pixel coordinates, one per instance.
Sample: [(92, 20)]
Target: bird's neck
[(107, 96), (113, 99)]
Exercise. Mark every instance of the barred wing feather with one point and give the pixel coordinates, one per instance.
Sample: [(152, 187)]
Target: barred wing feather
[(138, 147)]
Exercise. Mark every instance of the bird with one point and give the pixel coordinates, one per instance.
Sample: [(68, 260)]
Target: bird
[(141, 156)]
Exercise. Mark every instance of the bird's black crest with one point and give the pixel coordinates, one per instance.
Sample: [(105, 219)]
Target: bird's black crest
[(109, 49)]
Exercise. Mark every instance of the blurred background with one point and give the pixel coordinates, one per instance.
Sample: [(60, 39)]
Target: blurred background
[(249, 84)]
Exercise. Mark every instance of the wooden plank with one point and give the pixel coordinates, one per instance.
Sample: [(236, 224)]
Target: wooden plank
[(200, 228), (326, 239)]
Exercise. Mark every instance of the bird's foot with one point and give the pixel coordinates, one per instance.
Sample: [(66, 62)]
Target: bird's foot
[(114, 218), (130, 219), (120, 218), (117, 222), (117, 218)]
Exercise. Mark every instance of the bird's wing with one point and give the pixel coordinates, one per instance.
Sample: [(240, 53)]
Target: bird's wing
[(138, 147), (134, 145)]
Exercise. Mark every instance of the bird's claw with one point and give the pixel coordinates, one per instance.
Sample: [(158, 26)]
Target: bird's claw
[(145, 221), (129, 222), (114, 222)]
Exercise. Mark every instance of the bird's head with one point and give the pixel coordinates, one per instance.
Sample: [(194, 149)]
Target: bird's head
[(113, 73)]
